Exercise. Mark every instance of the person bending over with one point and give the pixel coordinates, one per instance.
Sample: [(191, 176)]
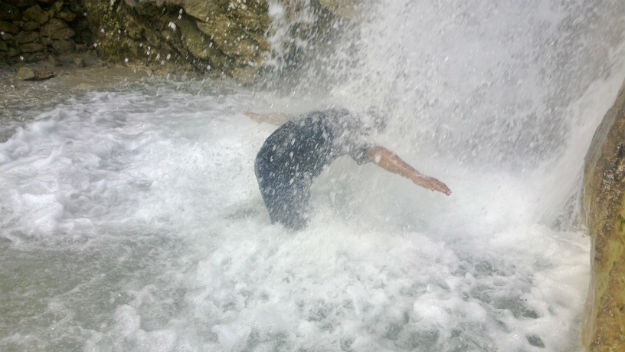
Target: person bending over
[(298, 150)]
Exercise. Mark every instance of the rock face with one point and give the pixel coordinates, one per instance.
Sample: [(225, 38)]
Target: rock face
[(29, 74), (217, 37), (220, 38), (604, 206), (37, 29)]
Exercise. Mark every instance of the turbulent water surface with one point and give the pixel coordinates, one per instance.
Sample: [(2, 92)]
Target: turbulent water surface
[(131, 220)]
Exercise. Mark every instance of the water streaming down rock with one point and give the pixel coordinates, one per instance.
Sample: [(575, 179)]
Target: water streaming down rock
[(131, 220)]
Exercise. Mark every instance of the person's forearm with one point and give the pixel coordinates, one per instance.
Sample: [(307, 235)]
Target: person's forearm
[(393, 163)]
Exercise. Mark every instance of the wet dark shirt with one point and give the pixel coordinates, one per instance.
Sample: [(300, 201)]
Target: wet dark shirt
[(302, 147)]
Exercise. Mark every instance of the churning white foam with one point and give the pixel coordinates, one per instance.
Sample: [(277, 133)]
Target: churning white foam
[(144, 209), (131, 220)]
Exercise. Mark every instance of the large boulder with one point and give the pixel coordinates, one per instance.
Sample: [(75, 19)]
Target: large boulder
[(7, 27), (604, 207), (36, 14), (57, 29)]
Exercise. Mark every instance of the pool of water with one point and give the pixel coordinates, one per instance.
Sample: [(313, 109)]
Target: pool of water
[(131, 221)]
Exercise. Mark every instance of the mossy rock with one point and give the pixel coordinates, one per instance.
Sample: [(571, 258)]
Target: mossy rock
[(604, 207), (27, 37), (31, 26), (202, 10), (215, 37), (66, 16), (35, 13), (195, 41), (8, 27), (226, 34)]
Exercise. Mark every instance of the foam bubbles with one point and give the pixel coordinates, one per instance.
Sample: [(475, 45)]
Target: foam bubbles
[(144, 209), (131, 218)]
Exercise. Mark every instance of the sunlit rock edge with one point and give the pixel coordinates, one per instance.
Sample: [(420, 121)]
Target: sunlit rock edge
[(604, 207)]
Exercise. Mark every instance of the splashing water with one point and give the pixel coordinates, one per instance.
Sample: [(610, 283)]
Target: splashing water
[(131, 219)]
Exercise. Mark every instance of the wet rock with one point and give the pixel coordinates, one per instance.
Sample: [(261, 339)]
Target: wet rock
[(25, 74), (198, 44), (79, 62), (63, 46), (168, 34), (153, 38), (134, 30), (35, 56), (53, 61), (8, 27), (201, 10), (56, 7), (64, 33), (245, 74), (32, 47), (45, 41), (229, 37), (66, 16), (9, 12), (35, 13), (26, 37), (57, 29), (6, 36), (604, 209), (217, 37), (54, 25), (13, 52), (31, 26)]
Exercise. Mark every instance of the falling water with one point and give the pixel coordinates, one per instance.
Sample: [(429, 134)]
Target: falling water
[(131, 220)]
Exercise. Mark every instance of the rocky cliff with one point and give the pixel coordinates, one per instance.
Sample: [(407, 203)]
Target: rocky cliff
[(217, 37), (604, 205)]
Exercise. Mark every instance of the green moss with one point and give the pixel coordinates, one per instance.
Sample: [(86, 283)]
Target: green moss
[(214, 37), (604, 205)]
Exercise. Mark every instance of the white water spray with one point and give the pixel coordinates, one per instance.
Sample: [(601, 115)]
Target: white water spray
[(131, 219)]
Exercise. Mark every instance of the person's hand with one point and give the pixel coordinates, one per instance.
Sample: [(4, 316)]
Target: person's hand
[(431, 183)]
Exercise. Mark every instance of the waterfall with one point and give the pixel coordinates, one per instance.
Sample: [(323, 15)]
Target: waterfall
[(131, 220)]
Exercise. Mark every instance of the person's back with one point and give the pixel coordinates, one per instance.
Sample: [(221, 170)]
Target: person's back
[(309, 143), (299, 150)]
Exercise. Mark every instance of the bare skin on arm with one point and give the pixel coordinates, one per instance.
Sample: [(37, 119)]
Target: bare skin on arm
[(391, 162), (274, 119), (377, 154)]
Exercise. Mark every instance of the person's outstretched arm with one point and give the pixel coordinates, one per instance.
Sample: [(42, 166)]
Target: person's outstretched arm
[(391, 162), (275, 119)]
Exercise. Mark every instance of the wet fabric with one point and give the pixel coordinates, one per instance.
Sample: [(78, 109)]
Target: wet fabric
[(297, 152)]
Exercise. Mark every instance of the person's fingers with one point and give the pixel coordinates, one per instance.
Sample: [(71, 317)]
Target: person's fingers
[(433, 185), (437, 185)]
